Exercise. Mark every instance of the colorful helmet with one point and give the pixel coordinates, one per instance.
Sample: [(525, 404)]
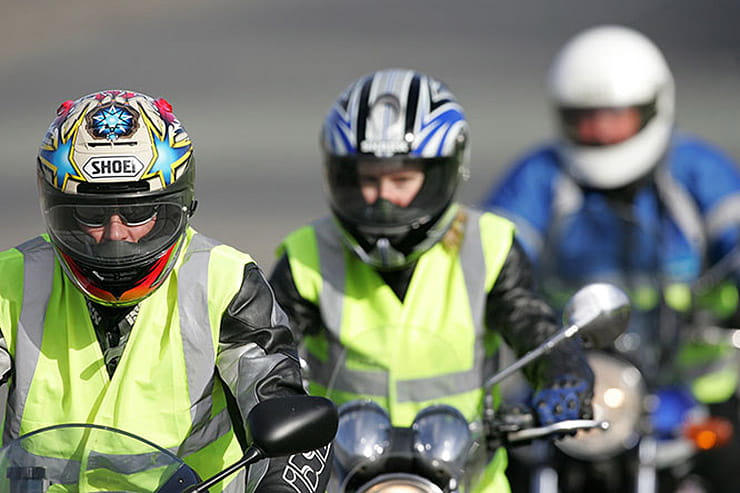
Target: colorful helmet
[(116, 153), (613, 67), (394, 119)]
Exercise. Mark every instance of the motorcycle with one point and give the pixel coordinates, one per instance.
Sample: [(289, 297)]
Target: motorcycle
[(441, 452), (94, 458), (657, 429)]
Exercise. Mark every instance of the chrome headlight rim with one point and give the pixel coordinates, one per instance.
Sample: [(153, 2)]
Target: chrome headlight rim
[(391, 482)]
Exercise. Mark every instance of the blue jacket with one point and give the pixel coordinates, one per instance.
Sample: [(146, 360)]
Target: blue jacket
[(682, 220)]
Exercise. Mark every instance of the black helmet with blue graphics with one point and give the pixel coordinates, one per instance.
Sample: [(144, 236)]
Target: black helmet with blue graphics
[(116, 156), (394, 119)]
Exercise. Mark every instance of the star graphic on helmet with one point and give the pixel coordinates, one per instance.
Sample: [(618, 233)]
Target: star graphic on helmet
[(112, 122), (56, 157), (169, 156)]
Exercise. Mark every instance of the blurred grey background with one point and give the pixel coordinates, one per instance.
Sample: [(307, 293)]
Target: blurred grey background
[(252, 80)]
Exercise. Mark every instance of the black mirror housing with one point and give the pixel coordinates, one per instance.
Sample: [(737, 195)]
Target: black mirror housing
[(292, 425)]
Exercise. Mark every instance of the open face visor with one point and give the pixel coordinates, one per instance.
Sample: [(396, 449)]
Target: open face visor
[(376, 212), (602, 126)]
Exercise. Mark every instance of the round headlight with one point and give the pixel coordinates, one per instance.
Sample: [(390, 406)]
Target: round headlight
[(618, 395), (441, 434), (400, 483), (363, 433)]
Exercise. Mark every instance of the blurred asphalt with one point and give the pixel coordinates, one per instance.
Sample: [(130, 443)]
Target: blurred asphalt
[(251, 81)]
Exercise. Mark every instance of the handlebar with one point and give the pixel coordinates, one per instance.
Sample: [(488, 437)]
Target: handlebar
[(518, 427), (717, 335), (561, 427)]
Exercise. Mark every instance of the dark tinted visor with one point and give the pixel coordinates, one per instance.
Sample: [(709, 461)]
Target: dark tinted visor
[(130, 215), (70, 226)]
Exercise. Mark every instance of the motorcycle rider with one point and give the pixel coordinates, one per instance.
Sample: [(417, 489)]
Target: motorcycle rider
[(401, 294), (622, 196), (124, 316)]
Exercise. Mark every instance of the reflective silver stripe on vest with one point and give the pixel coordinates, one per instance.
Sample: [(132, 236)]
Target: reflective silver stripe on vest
[(200, 355), (473, 266), (127, 464), (331, 266), (568, 198), (140, 463), (331, 304), (682, 209), (61, 471), (425, 389), (337, 376), (724, 215), (528, 235), (38, 278), (69, 472), (331, 300)]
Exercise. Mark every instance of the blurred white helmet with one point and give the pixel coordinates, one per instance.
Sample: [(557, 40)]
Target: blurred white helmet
[(612, 68)]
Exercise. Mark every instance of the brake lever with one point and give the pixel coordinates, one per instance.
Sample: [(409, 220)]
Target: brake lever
[(560, 428)]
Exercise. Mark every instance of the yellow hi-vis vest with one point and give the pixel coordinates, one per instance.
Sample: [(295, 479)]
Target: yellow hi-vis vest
[(432, 348), (165, 388)]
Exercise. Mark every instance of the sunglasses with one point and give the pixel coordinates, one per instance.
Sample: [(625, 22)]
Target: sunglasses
[(97, 217)]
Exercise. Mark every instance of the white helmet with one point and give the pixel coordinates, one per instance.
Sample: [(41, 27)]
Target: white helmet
[(613, 67)]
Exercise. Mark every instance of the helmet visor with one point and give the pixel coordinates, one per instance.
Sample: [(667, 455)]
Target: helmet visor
[(116, 234), (390, 193), (605, 126)]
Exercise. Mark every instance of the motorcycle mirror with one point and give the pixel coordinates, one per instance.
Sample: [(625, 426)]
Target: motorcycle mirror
[(292, 425), (600, 311), (282, 426)]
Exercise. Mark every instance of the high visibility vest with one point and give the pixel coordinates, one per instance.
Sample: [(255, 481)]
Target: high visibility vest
[(165, 387), (432, 348)]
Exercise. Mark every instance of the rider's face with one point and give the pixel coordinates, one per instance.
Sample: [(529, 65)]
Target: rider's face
[(398, 186), (116, 228), (607, 126)]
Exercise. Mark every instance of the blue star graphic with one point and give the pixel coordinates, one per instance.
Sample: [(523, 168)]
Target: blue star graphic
[(112, 122), (168, 156), (58, 158)]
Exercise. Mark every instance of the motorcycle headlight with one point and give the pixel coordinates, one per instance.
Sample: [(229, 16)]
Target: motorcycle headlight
[(618, 395), (400, 483), (441, 434), (363, 433)]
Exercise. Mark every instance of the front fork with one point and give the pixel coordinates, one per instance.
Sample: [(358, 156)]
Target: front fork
[(545, 480), (647, 476)]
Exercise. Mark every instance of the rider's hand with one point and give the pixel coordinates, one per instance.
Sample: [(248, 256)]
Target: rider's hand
[(566, 398)]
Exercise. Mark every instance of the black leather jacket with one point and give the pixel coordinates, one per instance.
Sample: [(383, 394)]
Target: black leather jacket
[(255, 321)]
